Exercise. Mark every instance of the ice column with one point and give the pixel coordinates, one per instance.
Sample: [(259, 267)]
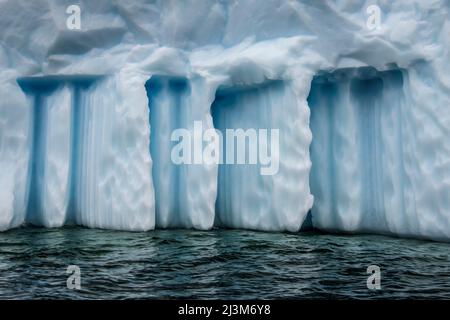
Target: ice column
[(185, 192)]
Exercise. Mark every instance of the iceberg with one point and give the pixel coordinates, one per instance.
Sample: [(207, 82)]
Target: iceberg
[(358, 92)]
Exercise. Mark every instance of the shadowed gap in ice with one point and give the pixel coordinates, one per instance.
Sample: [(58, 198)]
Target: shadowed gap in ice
[(167, 98), (246, 198), (356, 127)]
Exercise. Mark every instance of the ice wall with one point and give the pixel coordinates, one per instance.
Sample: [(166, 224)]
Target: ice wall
[(79, 168), (15, 139), (363, 152), (113, 177), (356, 124)]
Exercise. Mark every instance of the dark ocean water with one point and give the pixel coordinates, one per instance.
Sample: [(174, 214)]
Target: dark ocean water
[(227, 264)]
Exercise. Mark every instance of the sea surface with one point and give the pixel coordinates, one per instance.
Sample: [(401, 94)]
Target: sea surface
[(218, 264)]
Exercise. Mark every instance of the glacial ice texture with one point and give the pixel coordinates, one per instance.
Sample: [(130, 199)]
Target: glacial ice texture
[(77, 172), (364, 168), (86, 115), (246, 197), (178, 203)]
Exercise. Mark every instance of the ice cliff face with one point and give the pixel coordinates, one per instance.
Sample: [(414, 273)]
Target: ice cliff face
[(87, 116)]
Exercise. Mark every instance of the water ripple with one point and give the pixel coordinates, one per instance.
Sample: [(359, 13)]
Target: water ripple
[(229, 264)]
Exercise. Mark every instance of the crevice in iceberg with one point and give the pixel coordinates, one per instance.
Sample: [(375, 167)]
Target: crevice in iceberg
[(168, 103), (307, 224), (357, 175), (34, 211), (241, 107), (246, 198), (367, 94)]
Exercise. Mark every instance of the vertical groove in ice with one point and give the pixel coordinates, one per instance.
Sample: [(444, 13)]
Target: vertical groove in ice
[(361, 153), (89, 162), (246, 198), (167, 103), (185, 192), (48, 177)]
